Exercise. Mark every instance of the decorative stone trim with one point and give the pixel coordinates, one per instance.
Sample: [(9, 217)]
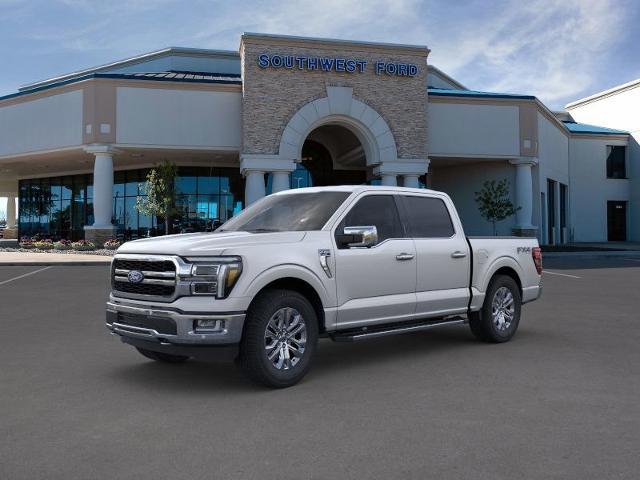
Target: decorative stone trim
[(265, 163), (98, 235), (403, 167), (340, 107)]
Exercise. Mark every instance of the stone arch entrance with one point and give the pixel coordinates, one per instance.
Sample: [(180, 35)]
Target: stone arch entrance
[(339, 108), (322, 122)]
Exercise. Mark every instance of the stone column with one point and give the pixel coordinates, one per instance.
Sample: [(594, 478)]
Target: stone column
[(280, 181), (254, 166), (11, 211), (11, 232), (389, 179), (524, 196), (409, 169), (254, 188), (411, 181), (102, 228)]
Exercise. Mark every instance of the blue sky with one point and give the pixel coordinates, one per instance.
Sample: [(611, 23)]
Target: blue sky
[(556, 50)]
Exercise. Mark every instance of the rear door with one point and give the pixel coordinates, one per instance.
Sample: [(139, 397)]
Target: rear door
[(442, 255), (376, 284)]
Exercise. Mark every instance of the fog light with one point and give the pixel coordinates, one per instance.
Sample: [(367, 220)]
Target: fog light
[(204, 288), (210, 326)]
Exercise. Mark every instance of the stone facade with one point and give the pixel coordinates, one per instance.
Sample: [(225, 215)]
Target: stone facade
[(272, 96)]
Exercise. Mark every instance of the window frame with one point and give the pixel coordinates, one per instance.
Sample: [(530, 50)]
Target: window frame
[(625, 172), (338, 226), (406, 221)]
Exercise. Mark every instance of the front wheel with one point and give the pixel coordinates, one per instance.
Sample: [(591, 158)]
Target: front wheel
[(279, 338), (499, 317)]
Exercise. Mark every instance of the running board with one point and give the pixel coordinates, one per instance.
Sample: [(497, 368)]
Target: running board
[(385, 330)]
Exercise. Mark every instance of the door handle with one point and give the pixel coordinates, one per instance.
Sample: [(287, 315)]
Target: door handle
[(458, 254), (404, 256)]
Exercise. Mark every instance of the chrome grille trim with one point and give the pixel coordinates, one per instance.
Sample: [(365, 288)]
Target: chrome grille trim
[(160, 286)]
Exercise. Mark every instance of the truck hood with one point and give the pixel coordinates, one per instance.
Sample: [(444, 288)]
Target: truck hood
[(197, 244)]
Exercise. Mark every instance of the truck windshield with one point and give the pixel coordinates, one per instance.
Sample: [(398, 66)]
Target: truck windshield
[(286, 213)]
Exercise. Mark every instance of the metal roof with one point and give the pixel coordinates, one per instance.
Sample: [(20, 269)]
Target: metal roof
[(444, 92), (176, 75), (186, 77), (575, 127)]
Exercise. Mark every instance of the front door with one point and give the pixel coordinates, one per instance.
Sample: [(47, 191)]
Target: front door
[(617, 221), (376, 284)]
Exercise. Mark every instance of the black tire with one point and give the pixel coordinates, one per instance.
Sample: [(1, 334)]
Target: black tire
[(162, 357), (482, 323), (253, 352)]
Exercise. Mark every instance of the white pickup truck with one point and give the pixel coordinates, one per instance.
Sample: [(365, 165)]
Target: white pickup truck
[(346, 262)]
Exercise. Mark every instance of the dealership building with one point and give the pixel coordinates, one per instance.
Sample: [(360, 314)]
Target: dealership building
[(288, 112)]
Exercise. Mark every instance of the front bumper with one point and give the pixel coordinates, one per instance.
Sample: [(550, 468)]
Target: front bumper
[(168, 326)]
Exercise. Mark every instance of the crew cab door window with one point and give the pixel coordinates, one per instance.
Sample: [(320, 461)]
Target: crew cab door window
[(375, 284), (428, 218), (442, 256), (375, 210)]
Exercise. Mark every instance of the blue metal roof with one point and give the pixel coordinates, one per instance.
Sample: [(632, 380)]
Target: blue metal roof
[(575, 127), (444, 92), (173, 76)]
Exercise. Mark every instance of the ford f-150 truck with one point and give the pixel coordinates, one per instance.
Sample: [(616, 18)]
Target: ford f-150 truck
[(344, 262)]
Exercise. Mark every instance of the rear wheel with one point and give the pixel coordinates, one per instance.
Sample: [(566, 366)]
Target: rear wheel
[(279, 338), (499, 317), (162, 357)]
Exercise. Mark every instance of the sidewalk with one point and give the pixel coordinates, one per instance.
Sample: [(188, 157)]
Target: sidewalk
[(32, 258)]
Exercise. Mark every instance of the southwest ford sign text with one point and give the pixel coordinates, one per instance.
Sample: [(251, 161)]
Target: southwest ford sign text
[(330, 64)]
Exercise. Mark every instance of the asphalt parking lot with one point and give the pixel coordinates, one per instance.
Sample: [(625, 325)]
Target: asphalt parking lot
[(562, 400)]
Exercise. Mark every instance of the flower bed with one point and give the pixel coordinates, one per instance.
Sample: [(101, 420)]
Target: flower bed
[(83, 245), (112, 244), (62, 245), (43, 244)]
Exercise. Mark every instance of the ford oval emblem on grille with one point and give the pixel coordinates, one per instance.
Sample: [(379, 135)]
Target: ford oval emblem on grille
[(135, 276)]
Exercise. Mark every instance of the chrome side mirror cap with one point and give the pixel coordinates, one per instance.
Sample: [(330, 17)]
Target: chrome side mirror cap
[(361, 236)]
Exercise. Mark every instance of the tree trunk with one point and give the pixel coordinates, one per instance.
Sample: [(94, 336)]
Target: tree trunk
[(166, 225)]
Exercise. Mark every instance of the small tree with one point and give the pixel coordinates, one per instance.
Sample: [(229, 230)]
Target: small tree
[(160, 200), (494, 203)]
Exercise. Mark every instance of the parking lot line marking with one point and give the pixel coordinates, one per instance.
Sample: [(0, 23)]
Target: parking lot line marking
[(561, 274), (25, 275)]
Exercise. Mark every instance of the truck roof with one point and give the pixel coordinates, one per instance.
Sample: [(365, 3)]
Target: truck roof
[(354, 189)]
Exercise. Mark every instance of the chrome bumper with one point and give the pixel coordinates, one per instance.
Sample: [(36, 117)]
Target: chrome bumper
[(185, 331)]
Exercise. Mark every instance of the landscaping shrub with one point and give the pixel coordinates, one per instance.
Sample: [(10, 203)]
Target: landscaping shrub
[(83, 245)]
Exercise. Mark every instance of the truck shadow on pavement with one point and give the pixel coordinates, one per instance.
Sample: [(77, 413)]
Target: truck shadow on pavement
[(332, 359)]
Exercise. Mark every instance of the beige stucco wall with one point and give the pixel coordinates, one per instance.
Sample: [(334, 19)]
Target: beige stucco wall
[(272, 96)]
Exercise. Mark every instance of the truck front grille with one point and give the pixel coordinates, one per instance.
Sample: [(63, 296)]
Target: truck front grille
[(158, 277)]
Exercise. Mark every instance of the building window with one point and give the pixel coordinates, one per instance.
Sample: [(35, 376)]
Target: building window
[(616, 161), (60, 207)]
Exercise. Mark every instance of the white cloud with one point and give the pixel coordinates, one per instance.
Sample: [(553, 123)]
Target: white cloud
[(554, 49)]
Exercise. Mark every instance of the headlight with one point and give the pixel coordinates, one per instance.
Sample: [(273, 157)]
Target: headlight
[(214, 275)]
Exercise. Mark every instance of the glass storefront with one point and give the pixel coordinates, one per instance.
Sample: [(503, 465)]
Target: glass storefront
[(57, 207), (60, 207)]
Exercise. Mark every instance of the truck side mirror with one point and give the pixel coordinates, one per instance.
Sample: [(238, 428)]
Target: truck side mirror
[(358, 237)]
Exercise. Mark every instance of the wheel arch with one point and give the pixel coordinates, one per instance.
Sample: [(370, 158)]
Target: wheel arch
[(307, 285), (503, 266)]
